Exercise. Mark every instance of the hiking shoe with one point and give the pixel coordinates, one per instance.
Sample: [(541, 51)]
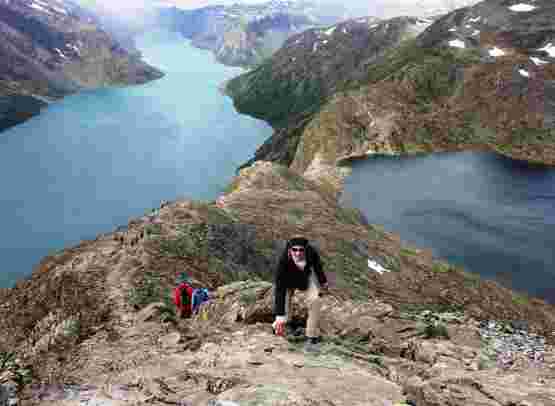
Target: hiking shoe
[(312, 344)]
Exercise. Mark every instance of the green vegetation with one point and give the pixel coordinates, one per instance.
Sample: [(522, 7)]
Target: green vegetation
[(442, 267), (72, 328), (191, 241), (430, 70), (147, 290), (294, 180), (8, 362), (295, 215), (533, 136), (349, 215), (376, 232), (261, 93), (408, 252), (520, 299), (248, 298), (350, 268), (433, 330), (152, 230)]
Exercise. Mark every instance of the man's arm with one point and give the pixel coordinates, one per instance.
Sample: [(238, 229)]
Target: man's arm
[(317, 264), (280, 289)]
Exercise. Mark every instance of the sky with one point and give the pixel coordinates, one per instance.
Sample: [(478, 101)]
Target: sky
[(358, 8)]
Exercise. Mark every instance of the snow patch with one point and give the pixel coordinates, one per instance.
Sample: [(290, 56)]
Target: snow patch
[(39, 7), (315, 47), (374, 26), (496, 52), (523, 72), (60, 53), (457, 43), (452, 29), (473, 20), (538, 61), (73, 47), (374, 266), (522, 7), (325, 42), (59, 10), (344, 30), (550, 49), (468, 26), (330, 31), (476, 32)]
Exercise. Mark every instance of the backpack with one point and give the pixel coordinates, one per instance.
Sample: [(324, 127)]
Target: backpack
[(199, 297), (183, 296)]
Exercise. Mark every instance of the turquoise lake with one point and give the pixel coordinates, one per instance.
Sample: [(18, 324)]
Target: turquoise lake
[(89, 163)]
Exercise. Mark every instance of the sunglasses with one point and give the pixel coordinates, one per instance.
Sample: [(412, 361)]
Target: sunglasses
[(297, 249)]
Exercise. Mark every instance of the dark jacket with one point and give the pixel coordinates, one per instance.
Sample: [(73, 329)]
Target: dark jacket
[(286, 276)]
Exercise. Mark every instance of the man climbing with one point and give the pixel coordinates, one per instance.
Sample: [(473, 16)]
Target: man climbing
[(299, 268)]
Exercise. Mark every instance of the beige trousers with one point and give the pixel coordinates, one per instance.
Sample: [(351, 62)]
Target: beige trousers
[(313, 304)]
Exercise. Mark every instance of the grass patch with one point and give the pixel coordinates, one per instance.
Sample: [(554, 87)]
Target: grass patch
[(408, 252), (294, 181), (350, 268), (191, 240), (471, 280), (520, 299), (248, 298), (22, 375), (442, 267), (533, 136), (432, 330), (349, 215), (411, 148), (376, 232), (295, 215), (152, 230), (147, 290), (430, 70)]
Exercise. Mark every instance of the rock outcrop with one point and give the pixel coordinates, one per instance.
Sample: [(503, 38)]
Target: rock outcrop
[(52, 48)]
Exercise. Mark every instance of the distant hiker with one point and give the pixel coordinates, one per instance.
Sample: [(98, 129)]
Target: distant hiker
[(299, 268)]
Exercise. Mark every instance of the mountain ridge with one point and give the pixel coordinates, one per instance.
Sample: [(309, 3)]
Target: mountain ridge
[(52, 48)]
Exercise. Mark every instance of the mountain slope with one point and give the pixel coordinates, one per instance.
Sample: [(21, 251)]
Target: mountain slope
[(51, 48), (447, 89), (307, 70)]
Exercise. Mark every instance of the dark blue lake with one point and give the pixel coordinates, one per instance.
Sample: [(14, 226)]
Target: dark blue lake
[(90, 162), (490, 214)]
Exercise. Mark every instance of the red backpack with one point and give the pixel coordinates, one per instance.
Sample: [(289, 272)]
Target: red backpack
[(183, 299)]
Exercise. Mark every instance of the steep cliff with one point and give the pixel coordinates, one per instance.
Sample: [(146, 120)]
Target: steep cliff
[(51, 48)]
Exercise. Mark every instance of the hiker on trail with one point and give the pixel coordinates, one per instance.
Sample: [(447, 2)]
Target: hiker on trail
[(299, 268)]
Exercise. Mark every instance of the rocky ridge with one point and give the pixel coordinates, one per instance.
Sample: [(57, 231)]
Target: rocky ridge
[(52, 48), (93, 324)]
